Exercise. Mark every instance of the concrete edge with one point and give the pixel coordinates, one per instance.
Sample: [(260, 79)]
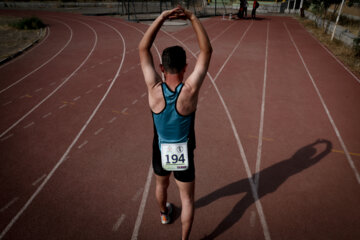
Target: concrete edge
[(42, 34)]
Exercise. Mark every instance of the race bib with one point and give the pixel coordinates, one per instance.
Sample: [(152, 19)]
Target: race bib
[(174, 156)]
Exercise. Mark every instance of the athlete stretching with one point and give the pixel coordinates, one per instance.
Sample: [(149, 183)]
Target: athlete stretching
[(173, 104)]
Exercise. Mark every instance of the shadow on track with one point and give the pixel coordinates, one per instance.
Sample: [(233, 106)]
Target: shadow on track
[(271, 179)]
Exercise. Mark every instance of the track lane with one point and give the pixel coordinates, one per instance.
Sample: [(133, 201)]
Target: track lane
[(105, 191), (87, 104), (294, 118), (338, 98)]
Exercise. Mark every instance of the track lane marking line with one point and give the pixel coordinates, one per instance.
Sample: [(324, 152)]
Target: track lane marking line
[(3, 209), (98, 131), (7, 137), (46, 115), (112, 120), (37, 181), (262, 113), (118, 222), (7, 103), (348, 157), (29, 125), (83, 144)]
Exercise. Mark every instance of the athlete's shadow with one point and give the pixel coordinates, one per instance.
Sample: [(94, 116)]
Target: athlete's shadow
[(270, 180)]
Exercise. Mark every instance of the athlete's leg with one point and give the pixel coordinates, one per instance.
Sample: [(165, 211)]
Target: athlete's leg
[(162, 184), (187, 201)]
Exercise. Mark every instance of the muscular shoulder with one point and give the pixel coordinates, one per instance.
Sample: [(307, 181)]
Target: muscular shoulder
[(187, 100), (156, 98)]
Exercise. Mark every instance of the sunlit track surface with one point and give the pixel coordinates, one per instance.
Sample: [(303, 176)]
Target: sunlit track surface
[(76, 163)]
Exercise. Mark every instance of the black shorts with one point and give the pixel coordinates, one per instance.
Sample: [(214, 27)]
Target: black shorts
[(182, 176)]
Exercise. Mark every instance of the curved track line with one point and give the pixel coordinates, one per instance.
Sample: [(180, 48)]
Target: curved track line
[(145, 195), (63, 158), (240, 146), (348, 157), (332, 55), (261, 127), (42, 65), (58, 87), (30, 50)]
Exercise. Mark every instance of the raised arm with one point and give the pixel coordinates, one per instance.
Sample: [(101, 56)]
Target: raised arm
[(197, 77), (152, 78)]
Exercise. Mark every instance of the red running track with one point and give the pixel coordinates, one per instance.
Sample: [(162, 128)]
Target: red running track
[(76, 135)]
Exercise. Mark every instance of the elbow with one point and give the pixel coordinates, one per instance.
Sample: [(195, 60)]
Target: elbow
[(143, 46), (208, 50)]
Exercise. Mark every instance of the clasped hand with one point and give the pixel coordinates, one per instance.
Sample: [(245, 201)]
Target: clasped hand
[(177, 13)]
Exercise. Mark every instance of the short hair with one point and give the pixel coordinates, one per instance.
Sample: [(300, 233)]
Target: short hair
[(173, 59)]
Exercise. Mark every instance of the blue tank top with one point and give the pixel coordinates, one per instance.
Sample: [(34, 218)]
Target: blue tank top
[(171, 126)]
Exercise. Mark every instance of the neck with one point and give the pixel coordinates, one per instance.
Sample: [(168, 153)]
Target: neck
[(173, 80)]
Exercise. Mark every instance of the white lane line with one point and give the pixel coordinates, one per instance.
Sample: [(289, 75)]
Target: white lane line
[(77, 98), (7, 137), (112, 120), (37, 181), (29, 125), (62, 106), (64, 157), (254, 192), (98, 131), (137, 195), (118, 222), (100, 85), (232, 52), (57, 88), (148, 179), (332, 55), (46, 115), (262, 113), (42, 65), (109, 80), (134, 102), (348, 157), (142, 204), (7, 103), (83, 144), (38, 90), (89, 91), (9, 204), (53, 83), (143, 95), (124, 110), (93, 66)]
